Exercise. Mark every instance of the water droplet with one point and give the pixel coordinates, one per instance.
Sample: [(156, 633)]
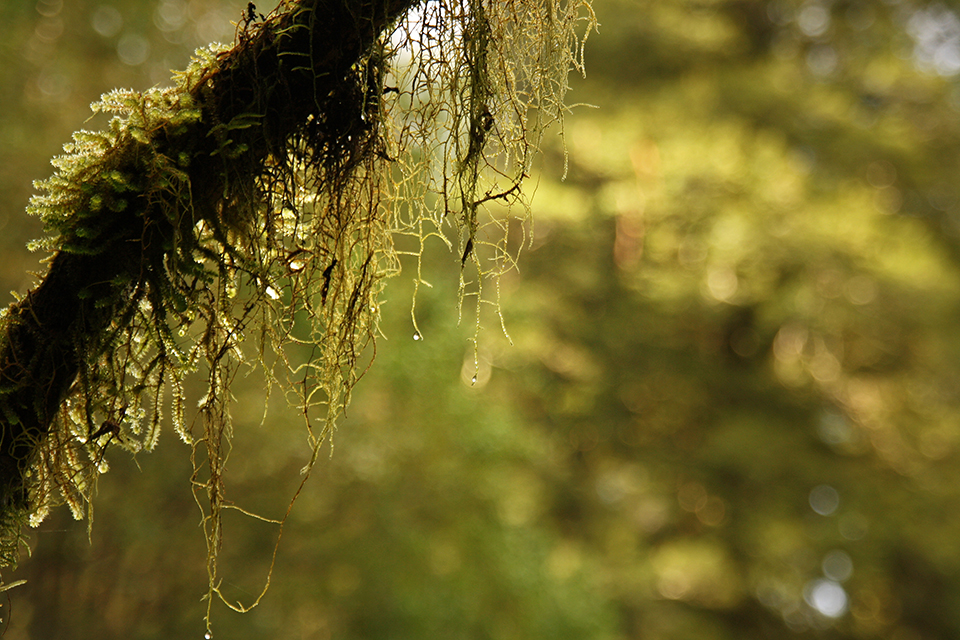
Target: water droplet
[(297, 265), (473, 380), (417, 336), (272, 292), (207, 635)]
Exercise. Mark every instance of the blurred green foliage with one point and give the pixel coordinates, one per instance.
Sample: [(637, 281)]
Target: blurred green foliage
[(730, 409)]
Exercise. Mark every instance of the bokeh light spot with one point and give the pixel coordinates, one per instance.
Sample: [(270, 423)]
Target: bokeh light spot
[(827, 597), (813, 20), (106, 21), (824, 499), (133, 49), (837, 565)]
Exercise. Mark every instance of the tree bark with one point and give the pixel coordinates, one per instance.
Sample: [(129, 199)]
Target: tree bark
[(41, 350)]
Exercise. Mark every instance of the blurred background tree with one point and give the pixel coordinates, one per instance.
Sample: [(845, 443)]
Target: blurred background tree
[(731, 405)]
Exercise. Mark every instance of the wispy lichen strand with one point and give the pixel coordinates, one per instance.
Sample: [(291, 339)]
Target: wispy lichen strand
[(477, 85)]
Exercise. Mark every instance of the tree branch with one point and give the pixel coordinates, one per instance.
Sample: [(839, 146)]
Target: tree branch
[(59, 327)]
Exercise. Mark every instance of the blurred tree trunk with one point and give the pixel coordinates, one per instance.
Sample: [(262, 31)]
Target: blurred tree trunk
[(48, 334)]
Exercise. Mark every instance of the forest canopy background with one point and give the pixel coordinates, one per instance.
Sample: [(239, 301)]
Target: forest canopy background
[(730, 409)]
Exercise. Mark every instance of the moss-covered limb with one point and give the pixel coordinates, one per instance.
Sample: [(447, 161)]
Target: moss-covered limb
[(39, 359), (126, 223), (260, 196)]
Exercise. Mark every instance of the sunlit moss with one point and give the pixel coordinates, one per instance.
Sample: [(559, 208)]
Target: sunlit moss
[(242, 239)]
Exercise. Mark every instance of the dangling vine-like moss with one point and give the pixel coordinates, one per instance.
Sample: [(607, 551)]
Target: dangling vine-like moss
[(253, 207)]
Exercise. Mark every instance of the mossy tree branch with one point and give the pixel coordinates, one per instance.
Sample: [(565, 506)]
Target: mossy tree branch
[(286, 77), (249, 215)]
